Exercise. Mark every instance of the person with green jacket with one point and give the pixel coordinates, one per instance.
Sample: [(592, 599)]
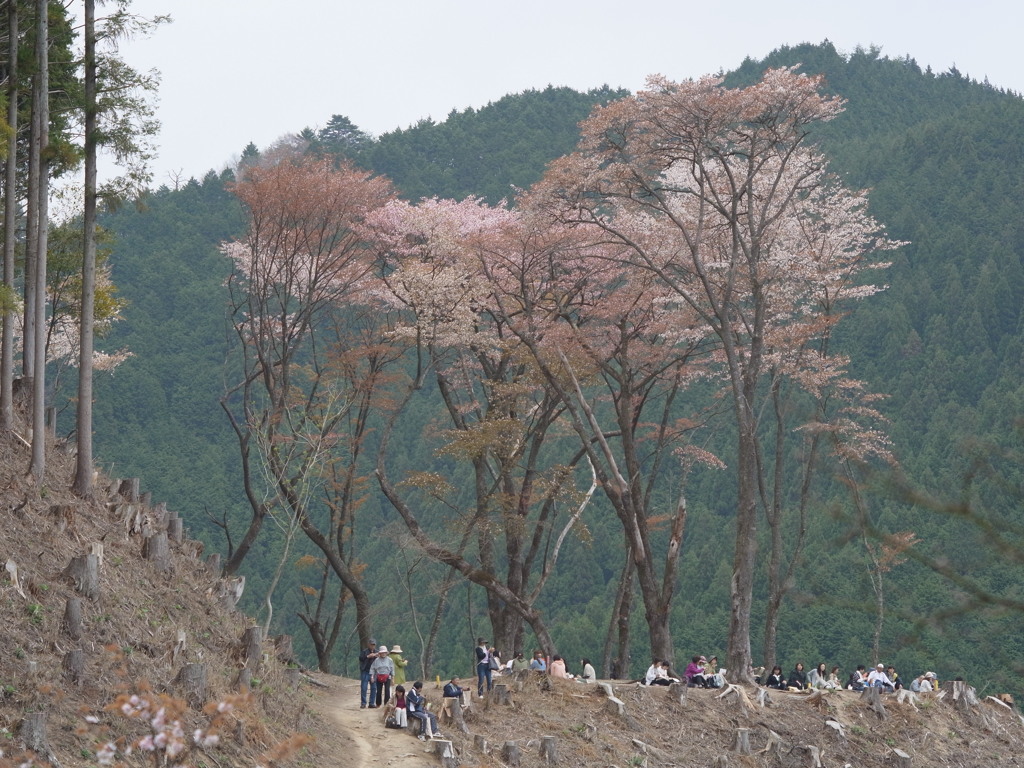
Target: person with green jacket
[(400, 664)]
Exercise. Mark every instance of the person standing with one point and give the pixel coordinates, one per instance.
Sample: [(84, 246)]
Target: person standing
[(400, 664), (483, 667), (382, 670), (367, 688)]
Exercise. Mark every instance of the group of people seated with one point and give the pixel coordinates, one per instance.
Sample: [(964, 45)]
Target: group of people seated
[(413, 703), (701, 672), (882, 677)]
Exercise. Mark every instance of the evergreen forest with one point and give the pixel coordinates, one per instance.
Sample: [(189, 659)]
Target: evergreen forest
[(920, 561)]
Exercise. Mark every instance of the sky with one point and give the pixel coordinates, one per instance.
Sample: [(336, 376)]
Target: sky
[(240, 71)]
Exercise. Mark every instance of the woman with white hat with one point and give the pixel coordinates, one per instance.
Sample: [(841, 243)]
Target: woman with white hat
[(382, 671)]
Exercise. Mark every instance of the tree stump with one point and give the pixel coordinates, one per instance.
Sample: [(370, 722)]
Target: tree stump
[(960, 695), (131, 518), (510, 754), (213, 563), (160, 516), (71, 624), (191, 681), (176, 530), (722, 761), (446, 752), (84, 572), (74, 666), (873, 697), (456, 715), (96, 548), (146, 499), (900, 758), (252, 648), (763, 699), (741, 746), (549, 749), (129, 489), (283, 649), (677, 692), (244, 681), (293, 676), (480, 744), (774, 744), (501, 695), (811, 753), (157, 550), (32, 734), (616, 706)]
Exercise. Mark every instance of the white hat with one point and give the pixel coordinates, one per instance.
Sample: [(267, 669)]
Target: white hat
[(396, 649), (880, 666), (382, 649)]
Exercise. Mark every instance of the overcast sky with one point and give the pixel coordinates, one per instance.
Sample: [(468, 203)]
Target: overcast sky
[(235, 71)]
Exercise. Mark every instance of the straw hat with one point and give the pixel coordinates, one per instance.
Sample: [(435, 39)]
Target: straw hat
[(382, 649), (396, 649)]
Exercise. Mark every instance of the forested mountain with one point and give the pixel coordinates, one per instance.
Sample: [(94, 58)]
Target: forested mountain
[(943, 157)]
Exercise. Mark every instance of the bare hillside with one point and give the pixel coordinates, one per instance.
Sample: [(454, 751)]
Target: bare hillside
[(138, 613)]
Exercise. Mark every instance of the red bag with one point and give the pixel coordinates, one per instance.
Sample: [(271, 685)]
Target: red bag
[(382, 678)]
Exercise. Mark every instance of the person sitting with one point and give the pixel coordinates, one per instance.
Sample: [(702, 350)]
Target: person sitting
[(776, 679), (798, 678), (653, 676), (452, 690), (518, 664), (832, 682), (694, 673), (817, 677), (858, 679), (878, 679), (558, 668), (714, 678), (401, 715), (416, 706), (894, 677), (538, 664), (589, 675)]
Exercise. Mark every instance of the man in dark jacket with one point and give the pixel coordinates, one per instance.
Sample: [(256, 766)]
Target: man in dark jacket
[(366, 683)]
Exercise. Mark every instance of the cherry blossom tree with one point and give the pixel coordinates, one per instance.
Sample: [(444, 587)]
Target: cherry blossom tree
[(300, 385), (619, 350), (720, 195), (502, 416)]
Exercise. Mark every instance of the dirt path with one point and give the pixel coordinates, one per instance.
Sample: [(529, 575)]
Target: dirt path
[(350, 737)]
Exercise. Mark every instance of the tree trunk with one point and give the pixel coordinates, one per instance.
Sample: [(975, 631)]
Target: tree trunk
[(742, 585), (83, 464), (618, 625), (10, 222), (37, 467)]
